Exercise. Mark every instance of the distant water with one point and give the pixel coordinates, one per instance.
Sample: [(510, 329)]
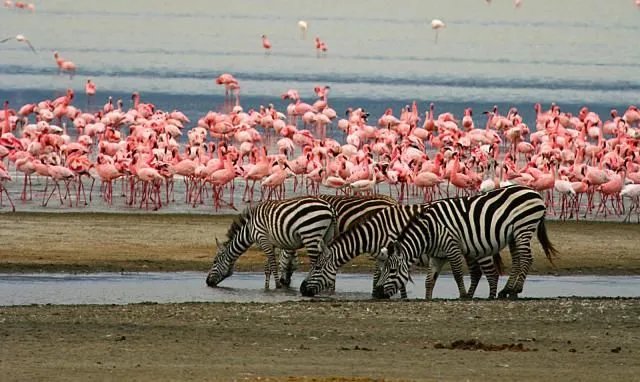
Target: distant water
[(381, 53)]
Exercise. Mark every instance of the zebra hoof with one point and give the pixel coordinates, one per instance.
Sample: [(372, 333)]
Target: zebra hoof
[(503, 294), (513, 296)]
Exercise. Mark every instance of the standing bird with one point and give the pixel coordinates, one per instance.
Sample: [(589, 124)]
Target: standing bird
[(20, 38), (303, 28), (266, 44), (65, 65), (516, 3), (437, 24), (90, 89)]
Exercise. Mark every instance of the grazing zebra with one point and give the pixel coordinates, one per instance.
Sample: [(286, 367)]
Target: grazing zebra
[(370, 235), (349, 210), (287, 224), (474, 228)]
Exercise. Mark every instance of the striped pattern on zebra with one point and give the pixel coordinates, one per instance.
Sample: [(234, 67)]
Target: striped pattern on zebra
[(370, 236), (473, 228), (287, 224), (349, 209)]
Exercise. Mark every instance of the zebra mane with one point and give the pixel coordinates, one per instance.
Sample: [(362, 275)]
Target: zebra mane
[(403, 233), (238, 222)]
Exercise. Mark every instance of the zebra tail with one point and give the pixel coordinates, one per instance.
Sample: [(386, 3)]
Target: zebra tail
[(549, 250), (497, 261)]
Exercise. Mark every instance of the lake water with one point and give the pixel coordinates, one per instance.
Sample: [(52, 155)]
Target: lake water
[(114, 288), (381, 53)]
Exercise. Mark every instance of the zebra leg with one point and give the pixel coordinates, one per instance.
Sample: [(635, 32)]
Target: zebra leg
[(520, 249), (476, 274), (376, 277), (523, 247), (455, 259), (288, 264), (433, 270), (490, 271), (513, 274), (270, 266)]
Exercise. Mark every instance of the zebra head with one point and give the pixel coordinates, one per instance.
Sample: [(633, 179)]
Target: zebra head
[(322, 275), (394, 273), (222, 265)]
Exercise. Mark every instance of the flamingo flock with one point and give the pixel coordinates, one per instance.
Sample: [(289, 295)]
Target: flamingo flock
[(19, 5), (583, 164)]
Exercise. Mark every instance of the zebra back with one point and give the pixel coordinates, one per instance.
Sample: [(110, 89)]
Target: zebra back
[(351, 209)]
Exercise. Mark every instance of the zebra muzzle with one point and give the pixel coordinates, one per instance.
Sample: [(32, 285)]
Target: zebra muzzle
[(305, 290), (378, 292), (211, 282)]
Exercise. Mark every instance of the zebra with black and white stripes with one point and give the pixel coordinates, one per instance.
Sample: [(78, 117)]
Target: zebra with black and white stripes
[(349, 209), (286, 224), (474, 228), (368, 236)]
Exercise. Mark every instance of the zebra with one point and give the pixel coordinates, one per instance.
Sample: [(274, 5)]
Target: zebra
[(350, 209), (369, 235), (475, 228), (286, 224)]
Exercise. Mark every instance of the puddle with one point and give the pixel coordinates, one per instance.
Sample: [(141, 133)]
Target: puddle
[(116, 288)]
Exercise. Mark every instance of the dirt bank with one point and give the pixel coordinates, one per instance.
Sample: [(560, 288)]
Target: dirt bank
[(88, 242)]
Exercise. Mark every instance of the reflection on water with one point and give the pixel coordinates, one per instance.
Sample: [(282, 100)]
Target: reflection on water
[(113, 288)]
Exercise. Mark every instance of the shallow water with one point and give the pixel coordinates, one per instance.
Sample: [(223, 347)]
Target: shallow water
[(113, 288)]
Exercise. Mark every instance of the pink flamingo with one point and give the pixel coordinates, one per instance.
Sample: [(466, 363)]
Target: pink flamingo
[(631, 191), (65, 65), (266, 44), (90, 90), (107, 173), (5, 177), (276, 180), (26, 166), (60, 173)]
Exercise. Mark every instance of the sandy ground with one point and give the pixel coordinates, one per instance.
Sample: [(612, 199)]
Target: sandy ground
[(176, 242), (480, 340), (534, 340)]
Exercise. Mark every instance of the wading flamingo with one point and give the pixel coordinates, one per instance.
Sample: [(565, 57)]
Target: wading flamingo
[(266, 44), (436, 25)]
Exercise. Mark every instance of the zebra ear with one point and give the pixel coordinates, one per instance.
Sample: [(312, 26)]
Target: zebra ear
[(218, 245), (396, 247)]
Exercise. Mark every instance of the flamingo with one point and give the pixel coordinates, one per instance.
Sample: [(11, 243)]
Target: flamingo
[(20, 38), (266, 44), (436, 25), (632, 191), (90, 90), (5, 177), (366, 185), (65, 65)]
